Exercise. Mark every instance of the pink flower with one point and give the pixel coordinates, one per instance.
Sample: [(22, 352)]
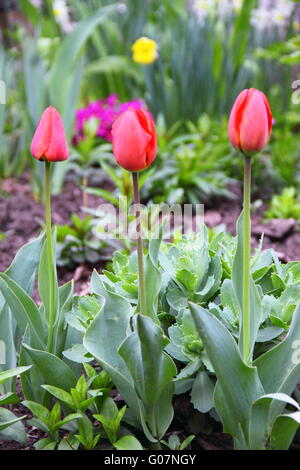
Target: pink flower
[(105, 111)]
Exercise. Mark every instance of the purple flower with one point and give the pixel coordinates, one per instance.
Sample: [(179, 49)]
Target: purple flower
[(106, 111)]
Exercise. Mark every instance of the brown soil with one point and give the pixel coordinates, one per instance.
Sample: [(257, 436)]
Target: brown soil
[(22, 219)]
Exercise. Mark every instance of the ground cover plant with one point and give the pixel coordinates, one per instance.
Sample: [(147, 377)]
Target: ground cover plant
[(149, 217)]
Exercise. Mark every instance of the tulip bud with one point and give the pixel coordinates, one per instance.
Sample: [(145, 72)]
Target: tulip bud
[(250, 122), (134, 139), (49, 141)]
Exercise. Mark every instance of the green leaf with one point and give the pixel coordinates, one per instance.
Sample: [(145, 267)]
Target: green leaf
[(67, 420), (60, 394), (24, 309), (9, 398), (86, 431), (237, 279), (186, 442), (81, 387), (68, 52), (38, 410), (104, 194), (11, 427), (54, 370), (260, 422), (111, 325), (153, 285), (202, 392), (62, 333), (284, 430), (152, 371), (8, 374), (45, 444), (128, 443), (8, 337), (238, 384), (281, 379), (109, 64), (44, 280), (241, 32), (26, 258), (68, 443), (5, 423), (78, 353)]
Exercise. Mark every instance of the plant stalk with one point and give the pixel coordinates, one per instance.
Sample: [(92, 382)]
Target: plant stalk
[(156, 446), (51, 318), (85, 197), (142, 293), (246, 321)]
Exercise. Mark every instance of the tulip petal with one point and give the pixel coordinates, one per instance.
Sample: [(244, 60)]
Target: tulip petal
[(130, 141), (49, 140), (57, 149), (42, 136), (254, 127), (235, 119), (147, 123)]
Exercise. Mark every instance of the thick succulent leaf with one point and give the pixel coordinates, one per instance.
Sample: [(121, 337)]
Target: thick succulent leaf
[(202, 394)]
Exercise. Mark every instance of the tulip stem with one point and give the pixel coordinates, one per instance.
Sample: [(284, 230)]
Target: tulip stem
[(246, 320), (142, 293), (51, 313)]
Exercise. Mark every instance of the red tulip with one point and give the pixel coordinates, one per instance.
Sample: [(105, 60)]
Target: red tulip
[(49, 141), (134, 139), (250, 122)]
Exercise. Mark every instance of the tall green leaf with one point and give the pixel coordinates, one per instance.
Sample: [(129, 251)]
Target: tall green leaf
[(105, 335), (68, 52), (24, 310), (152, 371), (241, 32), (238, 384), (237, 280), (54, 370)]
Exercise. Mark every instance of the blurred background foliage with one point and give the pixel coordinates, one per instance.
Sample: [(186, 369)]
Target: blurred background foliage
[(77, 57)]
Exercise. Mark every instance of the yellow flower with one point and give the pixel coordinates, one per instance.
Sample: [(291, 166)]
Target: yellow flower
[(56, 11), (144, 51)]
